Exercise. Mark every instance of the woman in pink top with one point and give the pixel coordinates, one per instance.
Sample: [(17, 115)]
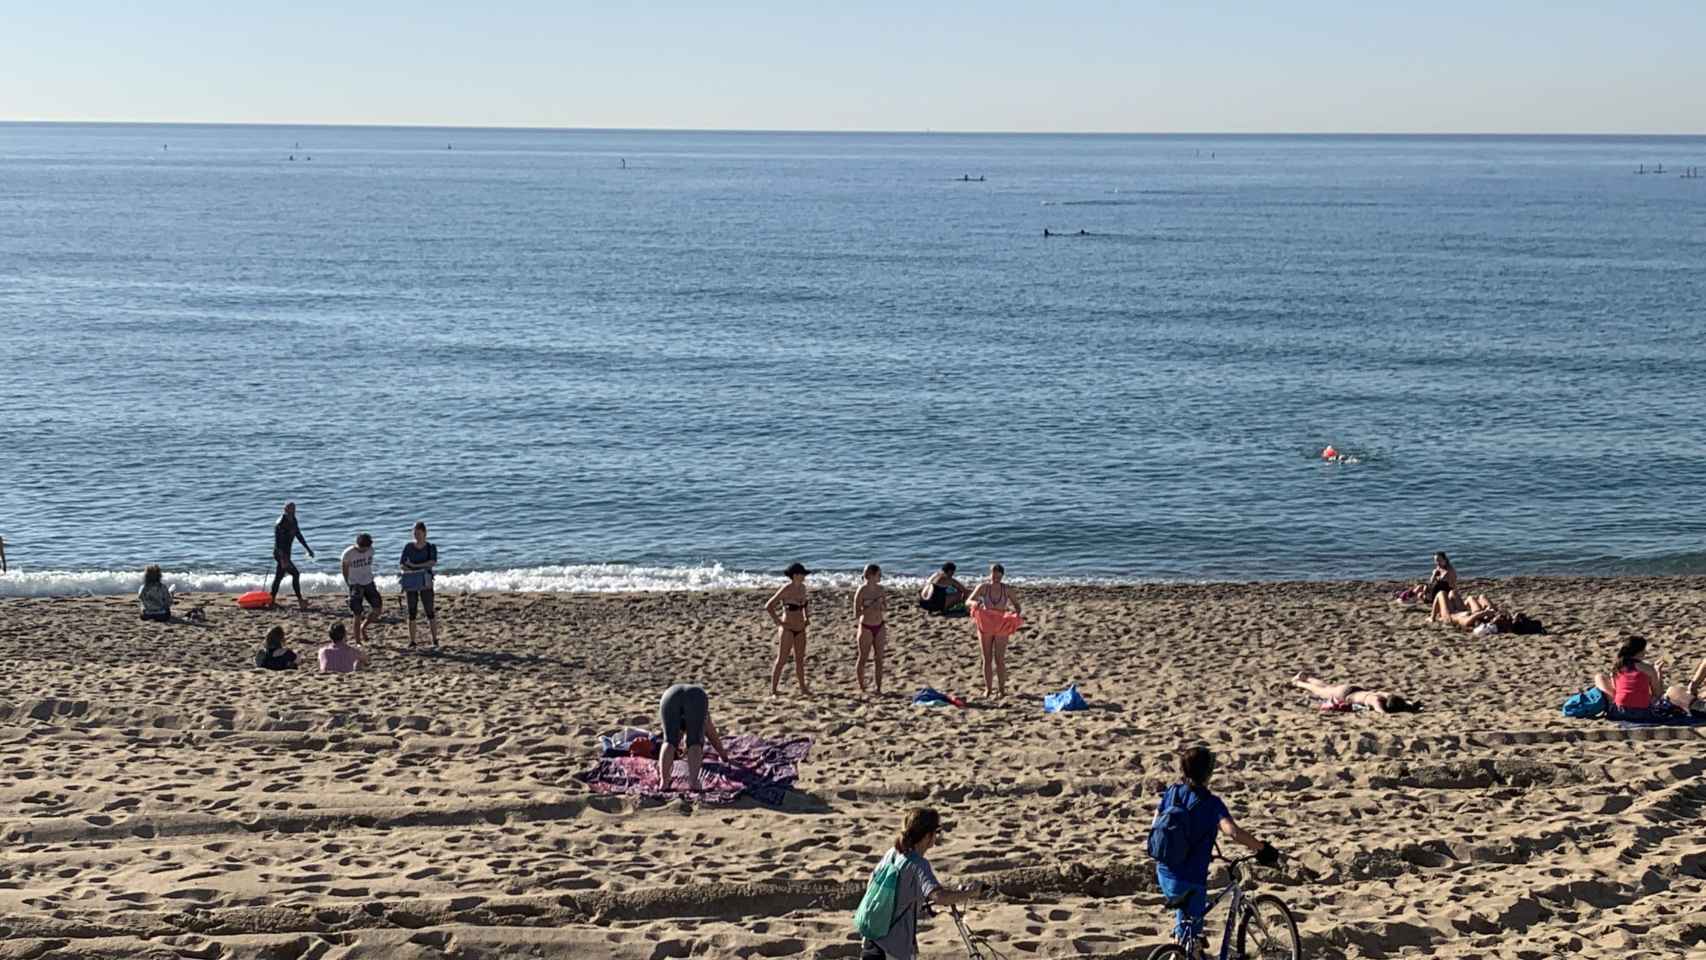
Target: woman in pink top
[(1634, 683)]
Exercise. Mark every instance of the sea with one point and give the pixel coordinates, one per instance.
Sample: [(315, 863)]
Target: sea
[(596, 360)]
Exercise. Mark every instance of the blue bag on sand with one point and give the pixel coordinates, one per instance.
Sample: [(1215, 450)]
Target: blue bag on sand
[(1586, 704), (928, 697), (1068, 699)]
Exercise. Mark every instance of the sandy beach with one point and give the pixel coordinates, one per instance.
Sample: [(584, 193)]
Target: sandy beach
[(160, 797)]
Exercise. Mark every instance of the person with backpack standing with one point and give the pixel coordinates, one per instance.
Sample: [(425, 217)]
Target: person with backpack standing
[(1181, 839), (903, 883)]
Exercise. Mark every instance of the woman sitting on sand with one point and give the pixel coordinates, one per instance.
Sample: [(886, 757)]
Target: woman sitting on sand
[(870, 603), (275, 655), (1380, 701), (1634, 684), (790, 608), (942, 593), (1443, 578), (918, 887), (993, 597), (155, 598)]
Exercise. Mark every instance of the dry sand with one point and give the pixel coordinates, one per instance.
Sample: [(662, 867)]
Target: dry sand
[(162, 798)]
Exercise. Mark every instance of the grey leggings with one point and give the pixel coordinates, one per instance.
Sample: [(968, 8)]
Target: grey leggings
[(684, 707)]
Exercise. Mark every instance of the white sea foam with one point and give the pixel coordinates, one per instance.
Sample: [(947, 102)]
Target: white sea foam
[(582, 578)]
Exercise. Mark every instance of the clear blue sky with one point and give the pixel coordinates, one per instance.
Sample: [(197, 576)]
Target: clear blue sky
[(1098, 65)]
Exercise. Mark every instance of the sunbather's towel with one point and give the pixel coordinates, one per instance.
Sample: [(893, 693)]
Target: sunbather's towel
[(1065, 700), (1661, 714), (765, 769), (929, 697)]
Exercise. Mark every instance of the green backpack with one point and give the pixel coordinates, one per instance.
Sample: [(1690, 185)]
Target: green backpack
[(875, 916)]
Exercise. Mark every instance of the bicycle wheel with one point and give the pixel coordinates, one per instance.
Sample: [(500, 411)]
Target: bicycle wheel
[(1268, 931), (1169, 951)]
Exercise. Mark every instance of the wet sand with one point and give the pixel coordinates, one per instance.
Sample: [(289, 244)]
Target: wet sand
[(160, 797)]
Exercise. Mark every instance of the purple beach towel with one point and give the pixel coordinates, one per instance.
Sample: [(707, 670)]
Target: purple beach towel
[(763, 769)]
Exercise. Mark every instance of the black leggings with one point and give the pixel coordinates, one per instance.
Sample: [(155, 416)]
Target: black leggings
[(425, 601), (283, 567)]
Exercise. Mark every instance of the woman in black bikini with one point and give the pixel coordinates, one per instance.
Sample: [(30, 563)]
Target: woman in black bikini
[(870, 603), (790, 608)]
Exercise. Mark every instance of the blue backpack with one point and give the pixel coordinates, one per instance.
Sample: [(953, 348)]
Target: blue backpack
[(1586, 704), (1170, 840)]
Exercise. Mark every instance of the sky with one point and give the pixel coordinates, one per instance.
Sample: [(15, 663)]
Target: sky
[(1329, 66)]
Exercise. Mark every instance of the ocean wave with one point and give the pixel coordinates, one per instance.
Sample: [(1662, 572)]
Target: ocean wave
[(581, 578)]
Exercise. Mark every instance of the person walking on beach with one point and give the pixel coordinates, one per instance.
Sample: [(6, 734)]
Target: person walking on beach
[(339, 657), (419, 557), (915, 888), (686, 714), (285, 534), (992, 596), (790, 608), (357, 568), (870, 604), (1198, 816)]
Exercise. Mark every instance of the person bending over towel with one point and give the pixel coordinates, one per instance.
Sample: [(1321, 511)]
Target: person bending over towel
[(1381, 701), (275, 655), (1634, 683), (686, 715)]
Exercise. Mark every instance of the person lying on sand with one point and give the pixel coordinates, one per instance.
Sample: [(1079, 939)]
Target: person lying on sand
[(686, 714), (275, 655), (1467, 613), (1380, 701), (790, 608), (917, 887), (1634, 683)]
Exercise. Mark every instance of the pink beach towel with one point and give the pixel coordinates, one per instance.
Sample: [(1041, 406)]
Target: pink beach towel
[(765, 769)]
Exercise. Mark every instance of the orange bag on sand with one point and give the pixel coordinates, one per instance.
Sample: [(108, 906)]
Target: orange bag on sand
[(643, 747), (996, 623), (255, 600)]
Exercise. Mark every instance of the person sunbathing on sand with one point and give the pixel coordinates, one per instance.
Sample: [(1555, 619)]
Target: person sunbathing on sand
[(686, 714), (790, 608), (1380, 701), (870, 603), (1467, 613)]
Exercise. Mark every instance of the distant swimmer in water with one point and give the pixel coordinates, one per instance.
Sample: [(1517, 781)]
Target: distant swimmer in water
[(1083, 233), (1046, 233), (624, 163), (2, 554)]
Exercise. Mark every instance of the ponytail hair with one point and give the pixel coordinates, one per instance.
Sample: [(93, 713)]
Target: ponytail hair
[(1629, 652), (920, 823)]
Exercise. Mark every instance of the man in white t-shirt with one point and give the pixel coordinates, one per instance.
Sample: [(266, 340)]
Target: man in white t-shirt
[(358, 575)]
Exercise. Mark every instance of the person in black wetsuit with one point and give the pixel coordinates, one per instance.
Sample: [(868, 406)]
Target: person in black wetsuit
[(284, 532)]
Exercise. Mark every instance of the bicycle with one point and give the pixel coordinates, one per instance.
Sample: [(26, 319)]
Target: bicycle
[(1262, 921), (977, 947)]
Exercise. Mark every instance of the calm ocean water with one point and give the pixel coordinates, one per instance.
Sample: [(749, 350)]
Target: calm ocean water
[(746, 348)]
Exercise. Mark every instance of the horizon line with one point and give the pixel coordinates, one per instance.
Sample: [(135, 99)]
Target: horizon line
[(932, 131)]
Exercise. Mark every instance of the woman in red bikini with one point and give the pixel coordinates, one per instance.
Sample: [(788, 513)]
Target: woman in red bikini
[(993, 595), (790, 608), (870, 604)]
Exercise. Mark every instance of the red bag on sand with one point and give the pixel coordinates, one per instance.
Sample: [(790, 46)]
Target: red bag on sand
[(643, 747)]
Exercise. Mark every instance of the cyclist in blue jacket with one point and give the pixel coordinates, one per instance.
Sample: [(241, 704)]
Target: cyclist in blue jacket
[(1206, 817)]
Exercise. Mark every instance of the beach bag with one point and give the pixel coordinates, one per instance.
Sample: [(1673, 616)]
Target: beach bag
[(875, 916), (1169, 835), (1525, 624), (1586, 704)]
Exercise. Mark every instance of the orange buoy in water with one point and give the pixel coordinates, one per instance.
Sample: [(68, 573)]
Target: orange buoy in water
[(1329, 453), (255, 600)]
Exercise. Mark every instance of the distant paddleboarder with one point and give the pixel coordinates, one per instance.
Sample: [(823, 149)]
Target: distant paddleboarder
[(285, 534)]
